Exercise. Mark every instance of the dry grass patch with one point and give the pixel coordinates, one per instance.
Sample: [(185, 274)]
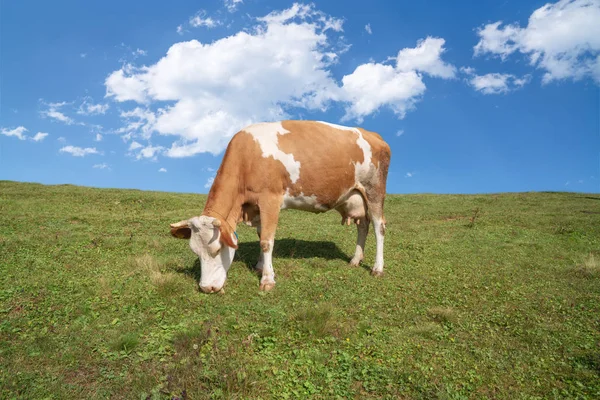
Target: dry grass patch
[(165, 282), (442, 315), (590, 267)]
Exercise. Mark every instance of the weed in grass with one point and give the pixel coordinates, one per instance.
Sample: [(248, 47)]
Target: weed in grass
[(428, 330), (165, 282), (442, 315), (473, 218), (590, 267), (317, 321), (126, 342)]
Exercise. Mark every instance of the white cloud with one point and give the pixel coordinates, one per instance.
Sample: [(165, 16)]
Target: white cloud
[(426, 57), (494, 83), (561, 38), (139, 52), (98, 137), (209, 182), (125, 85), (134, 145), (180, 29), (150, 152), (162, 170), (88, 108), (78, 151), (400, 132), (139, 121), (17, 132), (102, 166), (200, 19), (83, 55), (39, 136), (232, 5), (368, 29), (54, 113), (61, 139), (202, 93), (372, 86), (409, 175)]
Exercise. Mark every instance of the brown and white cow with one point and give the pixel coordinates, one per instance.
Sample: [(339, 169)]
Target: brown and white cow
[(307, 165)]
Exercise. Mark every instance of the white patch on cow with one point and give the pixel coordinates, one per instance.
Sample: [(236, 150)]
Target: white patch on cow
[(365, 169), (302, 202), (378, 227), (268, 274), (266, 135), (215, 258), (340, 127)]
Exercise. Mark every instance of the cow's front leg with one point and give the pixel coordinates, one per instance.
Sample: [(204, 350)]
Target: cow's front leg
[(269, 215)]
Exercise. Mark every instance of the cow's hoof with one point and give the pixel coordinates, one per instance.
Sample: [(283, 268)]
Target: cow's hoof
[(265, 287), (376, 273), (354, 262)]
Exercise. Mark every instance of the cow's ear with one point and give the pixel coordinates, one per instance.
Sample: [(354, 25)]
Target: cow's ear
[(181, 230), (228, 238)]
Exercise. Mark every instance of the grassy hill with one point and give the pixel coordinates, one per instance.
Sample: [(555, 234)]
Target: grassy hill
[(484, 296)]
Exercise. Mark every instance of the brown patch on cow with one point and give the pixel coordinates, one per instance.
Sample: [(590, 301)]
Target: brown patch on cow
[(226, 236), (330, 150)]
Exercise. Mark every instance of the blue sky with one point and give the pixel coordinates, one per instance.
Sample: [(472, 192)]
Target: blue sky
[(473, 97)]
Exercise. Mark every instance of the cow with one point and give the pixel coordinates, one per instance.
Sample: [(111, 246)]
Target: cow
[(313, 166)]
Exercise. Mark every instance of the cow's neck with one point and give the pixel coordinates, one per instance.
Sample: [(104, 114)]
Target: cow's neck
[(224, 200)]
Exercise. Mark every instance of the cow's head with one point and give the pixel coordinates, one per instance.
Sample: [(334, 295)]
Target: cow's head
[(214, 244)]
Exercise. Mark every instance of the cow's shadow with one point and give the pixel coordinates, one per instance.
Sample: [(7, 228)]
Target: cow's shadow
[(285, 248)]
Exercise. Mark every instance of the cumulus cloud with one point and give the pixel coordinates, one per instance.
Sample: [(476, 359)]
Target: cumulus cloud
[(562, 39), (39, 136), (426, 57), (162, 170), (368, 29), (78, 151), (209, 182), (409, 175), (400, 132), (98, 137), (374, 85), (17, 132), (202, 93), (494, 83)]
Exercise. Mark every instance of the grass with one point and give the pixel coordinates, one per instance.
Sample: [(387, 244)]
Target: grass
[(484, 296)]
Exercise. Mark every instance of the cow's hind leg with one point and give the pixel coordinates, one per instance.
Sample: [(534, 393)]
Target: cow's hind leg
[(261, 258), (269, 216), (363, 230), (379, 228)]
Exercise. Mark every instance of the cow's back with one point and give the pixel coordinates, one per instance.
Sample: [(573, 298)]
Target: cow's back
[(309, 158)]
